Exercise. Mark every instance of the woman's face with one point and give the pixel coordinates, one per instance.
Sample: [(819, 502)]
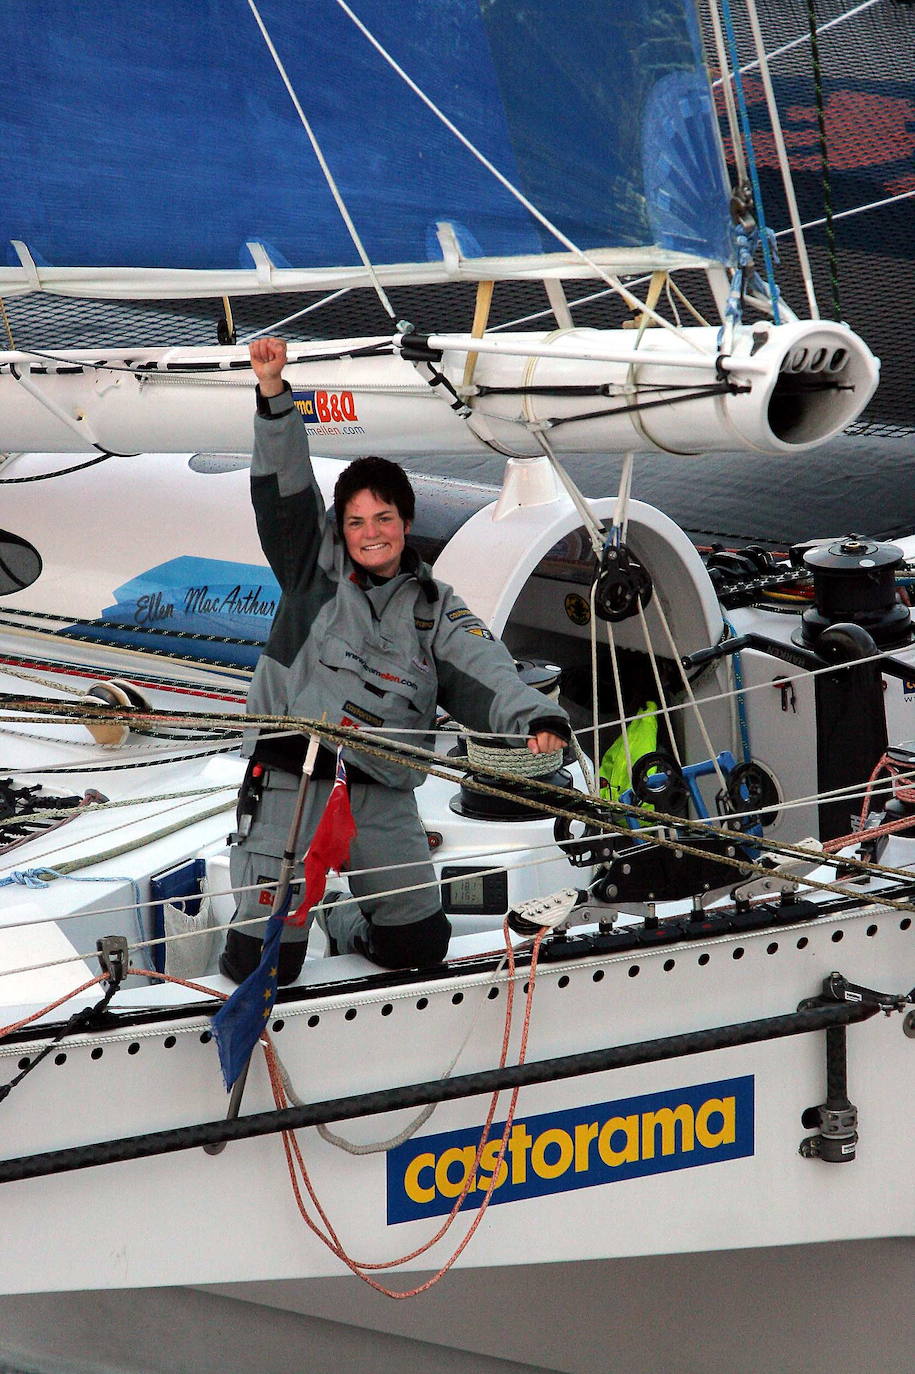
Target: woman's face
[(374, 533)]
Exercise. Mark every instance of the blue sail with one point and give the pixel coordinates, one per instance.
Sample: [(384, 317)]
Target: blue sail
[(162, 138)]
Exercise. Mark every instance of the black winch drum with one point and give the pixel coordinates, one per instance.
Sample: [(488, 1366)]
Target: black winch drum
[(854, 580)]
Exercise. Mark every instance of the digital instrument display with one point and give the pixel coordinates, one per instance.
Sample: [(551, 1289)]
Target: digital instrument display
[(473, 891)]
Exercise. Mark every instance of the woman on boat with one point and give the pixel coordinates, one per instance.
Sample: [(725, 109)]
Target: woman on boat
[(364, 635)]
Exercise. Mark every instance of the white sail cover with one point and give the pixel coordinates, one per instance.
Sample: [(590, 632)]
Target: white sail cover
[(154, 150)]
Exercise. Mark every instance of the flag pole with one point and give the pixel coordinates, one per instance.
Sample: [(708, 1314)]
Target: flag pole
[(280, 895)]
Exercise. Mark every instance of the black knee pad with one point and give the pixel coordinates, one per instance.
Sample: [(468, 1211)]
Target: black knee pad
[(411, 946), (242, 955)]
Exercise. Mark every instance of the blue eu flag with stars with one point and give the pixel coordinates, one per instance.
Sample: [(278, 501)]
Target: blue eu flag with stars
[(241, 1020)]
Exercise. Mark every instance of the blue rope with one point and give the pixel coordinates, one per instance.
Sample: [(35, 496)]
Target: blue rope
[(745, 246), (32, 877), (742, 724), (764, 233), (25, 877)]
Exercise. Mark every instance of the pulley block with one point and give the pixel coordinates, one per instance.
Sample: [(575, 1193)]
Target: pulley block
[(750, 787), (657, 778), (622, 584)]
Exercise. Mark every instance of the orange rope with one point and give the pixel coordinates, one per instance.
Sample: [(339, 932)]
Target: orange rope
[(901, 792), (294, 1159), (330, 1238), (52, 1006)]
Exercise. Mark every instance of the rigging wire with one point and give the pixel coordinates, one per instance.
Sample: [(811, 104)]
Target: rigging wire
[(805, 38), (61, 472), (824, 164), (322, 161), (855, 210), (612, 281), (751, 161), (298, 315), (783, 162)]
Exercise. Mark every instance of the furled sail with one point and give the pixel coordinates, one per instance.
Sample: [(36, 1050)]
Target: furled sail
[(156, 150)]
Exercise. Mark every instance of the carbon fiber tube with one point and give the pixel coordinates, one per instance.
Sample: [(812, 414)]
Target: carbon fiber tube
[(820, 1016)]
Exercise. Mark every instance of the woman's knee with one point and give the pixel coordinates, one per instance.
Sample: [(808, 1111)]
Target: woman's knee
[(411, 946)]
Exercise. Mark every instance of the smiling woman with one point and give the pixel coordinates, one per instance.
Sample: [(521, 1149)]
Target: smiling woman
[(375, 533), (364, 635)]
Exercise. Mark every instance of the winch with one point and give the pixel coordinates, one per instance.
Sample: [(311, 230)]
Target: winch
[(502, 757), (854, 580)]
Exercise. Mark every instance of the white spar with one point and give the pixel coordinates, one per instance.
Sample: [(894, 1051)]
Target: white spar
[(792, 387)]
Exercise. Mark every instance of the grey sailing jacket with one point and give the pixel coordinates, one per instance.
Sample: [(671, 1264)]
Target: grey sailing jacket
[(367, 655)]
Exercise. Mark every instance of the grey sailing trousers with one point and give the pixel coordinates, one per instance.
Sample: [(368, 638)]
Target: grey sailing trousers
[(390, 842)]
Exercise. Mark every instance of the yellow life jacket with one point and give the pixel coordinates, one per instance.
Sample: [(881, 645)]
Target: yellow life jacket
[(642, 734)]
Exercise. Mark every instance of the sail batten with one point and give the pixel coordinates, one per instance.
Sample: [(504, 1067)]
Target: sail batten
[(144, 159)]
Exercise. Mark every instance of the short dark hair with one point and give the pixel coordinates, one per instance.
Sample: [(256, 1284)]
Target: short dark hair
[(384, 479)]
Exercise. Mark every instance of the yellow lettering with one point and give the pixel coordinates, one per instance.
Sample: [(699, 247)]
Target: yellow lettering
[(716, 1106), (443, 1181), (538, 1154), (488, 1162), (519, 1142), (411, 1184), (667, 1120), (628, 1126), (584, 1134)]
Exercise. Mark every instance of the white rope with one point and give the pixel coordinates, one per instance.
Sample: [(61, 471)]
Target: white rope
[(756, 687), (328, 175), (143, 945), (691, 699), (548, 224), (725, 82), (383, 1146), (621, 509), (870, 905), (585, 766), (662, 695), (851, 794), (588, 519), (784, 165), (869, 910), (595, 692), (857, 210), (92, 807), (53, 859), (618, 689), (579, 300)]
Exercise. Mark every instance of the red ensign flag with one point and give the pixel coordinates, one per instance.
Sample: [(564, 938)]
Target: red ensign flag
[(329, 848)]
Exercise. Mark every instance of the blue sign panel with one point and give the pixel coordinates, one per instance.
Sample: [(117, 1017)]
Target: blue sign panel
[(584, 1147)]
